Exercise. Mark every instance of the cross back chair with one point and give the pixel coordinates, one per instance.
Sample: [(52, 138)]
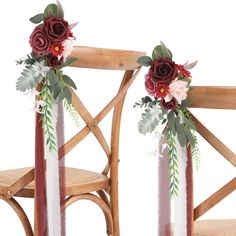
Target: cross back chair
[(212, 98), (101, 188)]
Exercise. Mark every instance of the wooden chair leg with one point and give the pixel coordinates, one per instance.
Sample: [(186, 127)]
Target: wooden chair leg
[(91, 197), (21, 214)]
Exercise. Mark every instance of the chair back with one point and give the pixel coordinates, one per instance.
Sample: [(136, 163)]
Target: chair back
[(211, 97)]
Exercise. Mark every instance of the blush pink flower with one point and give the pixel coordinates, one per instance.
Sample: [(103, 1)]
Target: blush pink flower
[(178, 89)]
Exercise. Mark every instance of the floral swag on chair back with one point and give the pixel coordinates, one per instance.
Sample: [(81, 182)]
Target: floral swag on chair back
[(166, 115), (52, 41)]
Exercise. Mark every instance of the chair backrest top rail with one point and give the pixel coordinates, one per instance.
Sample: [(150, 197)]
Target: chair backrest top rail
[(102, 58), (215, 97)]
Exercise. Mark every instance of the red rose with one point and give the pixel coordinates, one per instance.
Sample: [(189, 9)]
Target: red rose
[(53, 61), (39, 41), (56, 29), (150, 85), (163, 71), (171, 105)]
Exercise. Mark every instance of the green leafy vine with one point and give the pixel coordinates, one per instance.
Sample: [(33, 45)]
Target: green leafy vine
[(49, 130), (173, 163), (74, 115)]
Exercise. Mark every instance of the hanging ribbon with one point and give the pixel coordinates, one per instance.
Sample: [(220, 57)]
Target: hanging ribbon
[(180, 202), (53, 182), (40, 186), (181, 225), (164, 203)]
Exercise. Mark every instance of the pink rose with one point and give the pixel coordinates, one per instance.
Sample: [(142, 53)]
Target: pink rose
[(56, 29), (150, 85), (178, 89), (39, 41)]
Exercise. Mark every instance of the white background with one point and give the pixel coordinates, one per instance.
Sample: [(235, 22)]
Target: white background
[(202, 30)]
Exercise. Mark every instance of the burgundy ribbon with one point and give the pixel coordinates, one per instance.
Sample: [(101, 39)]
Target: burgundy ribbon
[(40, 194), (189, 179)]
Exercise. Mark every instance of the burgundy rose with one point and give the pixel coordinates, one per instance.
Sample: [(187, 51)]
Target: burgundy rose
[(150, 85), (56, 28), (53, 61), (39, 41), (163, 71), (171, 105)]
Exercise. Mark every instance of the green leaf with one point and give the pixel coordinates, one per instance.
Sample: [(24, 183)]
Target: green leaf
[(50, 10), (190, 137), (182, 139), (73, 113), (57, 89), (27, 79), (145, 61), (149, 121), (171, 121), (68, 94), (161, 51), (157, 52), (69, 81), (53, 79), (166, 51), (69, 61), (189, 66), (186, 103), (189, 124), (60, 11), (37, 18)]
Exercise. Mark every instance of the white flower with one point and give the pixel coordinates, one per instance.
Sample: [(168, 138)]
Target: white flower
[(40, 69), (178, 90), (68, 45), (37, 106)]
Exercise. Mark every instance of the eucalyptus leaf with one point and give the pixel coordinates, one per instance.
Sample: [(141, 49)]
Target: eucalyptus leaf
[(189, 124), (186, 103), (60, 11), (171, 121), (27, 80), (166, 51), (190, 137), (145, 61), (37, 18), (69, 81), (57, 89), (69, 61), (149, 121), (50, 10), (182, 139), (68, 94), (189, 66), (157, 53), (53, 79)]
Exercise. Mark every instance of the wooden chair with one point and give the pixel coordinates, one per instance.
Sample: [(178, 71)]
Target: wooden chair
[(101, 188), (212, 98)]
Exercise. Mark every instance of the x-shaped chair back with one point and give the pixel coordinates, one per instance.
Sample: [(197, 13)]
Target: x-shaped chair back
[(211, 97)]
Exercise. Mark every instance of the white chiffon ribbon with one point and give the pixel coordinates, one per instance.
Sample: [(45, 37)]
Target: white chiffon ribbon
[(52, 184), (180, 202), (179, 226)]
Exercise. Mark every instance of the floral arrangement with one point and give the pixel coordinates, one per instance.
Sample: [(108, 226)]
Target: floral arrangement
[(168, 83), (52, 41)]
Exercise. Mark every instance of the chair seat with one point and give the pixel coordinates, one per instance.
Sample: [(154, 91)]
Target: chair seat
[(77, 181), (215, 228)]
